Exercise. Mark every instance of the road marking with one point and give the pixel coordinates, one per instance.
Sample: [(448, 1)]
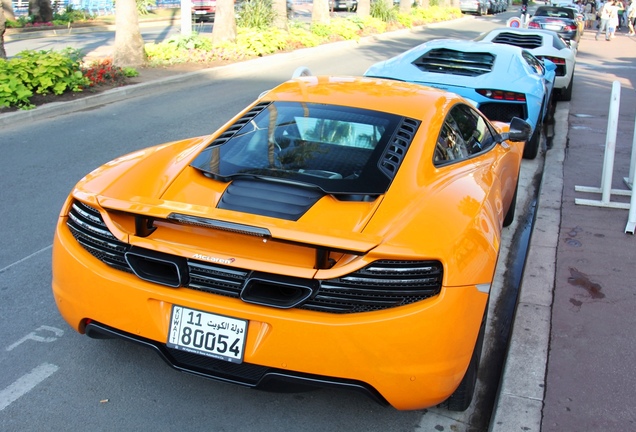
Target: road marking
[(35, 337), (2, 270), (25, 384)]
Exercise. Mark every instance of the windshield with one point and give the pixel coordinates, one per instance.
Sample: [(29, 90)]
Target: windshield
[(330, 147)]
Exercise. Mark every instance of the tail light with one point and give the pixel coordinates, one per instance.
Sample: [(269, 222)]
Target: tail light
[(570, 27), (556, 60), (502, 95), (533, 25)]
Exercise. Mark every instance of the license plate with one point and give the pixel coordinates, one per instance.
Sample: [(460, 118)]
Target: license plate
[(552, 27), (211, 335)]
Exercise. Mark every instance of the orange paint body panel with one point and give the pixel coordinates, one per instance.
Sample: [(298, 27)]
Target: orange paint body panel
[(149, 230)]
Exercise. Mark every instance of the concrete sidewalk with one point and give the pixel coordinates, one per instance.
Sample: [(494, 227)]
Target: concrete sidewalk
[(570, 365)]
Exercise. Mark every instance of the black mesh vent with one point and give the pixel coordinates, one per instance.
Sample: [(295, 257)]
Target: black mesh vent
[(216, 279), (453, 62), (89, 229), (527, 41), (229, 132), (380, 285), (502, 111), (279, 200), (396, 150)]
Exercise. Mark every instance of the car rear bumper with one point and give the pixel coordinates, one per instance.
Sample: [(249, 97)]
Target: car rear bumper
[(411, 356)]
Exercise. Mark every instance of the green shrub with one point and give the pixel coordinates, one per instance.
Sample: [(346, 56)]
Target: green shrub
[(70, 15), (13, 92), (383, 11), (255, 42), (258, 14), (40, 72), (144, 5), (193, 41)]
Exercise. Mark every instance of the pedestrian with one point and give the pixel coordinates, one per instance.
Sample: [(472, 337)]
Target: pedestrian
[(631, 18), (604, 15), (590, 15), (613, 22), (620, 9)]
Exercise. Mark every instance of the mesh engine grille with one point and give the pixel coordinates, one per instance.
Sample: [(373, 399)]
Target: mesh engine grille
[(380, 285), (453, 62), (527, 41), (501, 111)]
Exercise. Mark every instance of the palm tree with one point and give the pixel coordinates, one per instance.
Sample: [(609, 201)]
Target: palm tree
[(40, 10), (129, 45), (364, 8), (3, 21), (320, 12), (224, 28), (280, 10)]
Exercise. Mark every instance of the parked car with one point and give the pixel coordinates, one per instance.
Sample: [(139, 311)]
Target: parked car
[(339, 231), (348, 5), (504, 81), (562, 20), (544, 44), (203, 10), (478, 7)]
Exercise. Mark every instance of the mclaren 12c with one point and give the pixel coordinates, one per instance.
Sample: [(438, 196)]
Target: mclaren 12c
[(339, 231)]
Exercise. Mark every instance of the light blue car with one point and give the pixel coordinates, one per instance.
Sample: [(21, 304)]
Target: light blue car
[(503, 81)]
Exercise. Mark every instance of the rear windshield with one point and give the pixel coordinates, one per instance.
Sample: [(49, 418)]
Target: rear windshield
[(337, 149), (555, 12)]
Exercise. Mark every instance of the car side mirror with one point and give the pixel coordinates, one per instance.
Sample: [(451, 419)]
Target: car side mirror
[(520, 130)]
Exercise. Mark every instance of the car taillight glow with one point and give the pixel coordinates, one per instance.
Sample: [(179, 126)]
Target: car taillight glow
[(502, 95), (533, 25), (555, 60), (570, 27)]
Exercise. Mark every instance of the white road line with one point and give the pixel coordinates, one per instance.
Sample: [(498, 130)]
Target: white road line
[(25, 384), (26, 258)]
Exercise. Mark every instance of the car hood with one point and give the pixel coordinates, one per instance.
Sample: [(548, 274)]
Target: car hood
[(405, 71)]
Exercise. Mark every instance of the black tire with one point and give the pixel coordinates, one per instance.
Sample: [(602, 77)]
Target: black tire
[(479, 11), (461, 399), (531, 149), (510, 214), (566, 94)]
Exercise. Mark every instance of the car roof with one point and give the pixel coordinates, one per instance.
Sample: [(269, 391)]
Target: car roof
[(453, 61), (553, 41), (387, 95), (570, 12)]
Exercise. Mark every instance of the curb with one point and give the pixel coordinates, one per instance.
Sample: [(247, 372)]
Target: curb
[(519, 405)]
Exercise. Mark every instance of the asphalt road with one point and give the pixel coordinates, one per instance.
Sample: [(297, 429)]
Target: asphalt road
[(54, 379)]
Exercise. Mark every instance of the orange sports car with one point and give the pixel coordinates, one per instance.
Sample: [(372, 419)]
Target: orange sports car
[(339, 231)]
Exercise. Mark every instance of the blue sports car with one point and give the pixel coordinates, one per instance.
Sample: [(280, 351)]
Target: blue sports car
[(503, 81)]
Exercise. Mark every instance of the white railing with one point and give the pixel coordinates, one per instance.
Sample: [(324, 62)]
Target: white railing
[(605, 189)]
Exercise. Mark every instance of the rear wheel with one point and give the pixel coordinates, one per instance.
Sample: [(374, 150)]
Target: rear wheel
[(566, 94), (462, 397), (510, 215), (531, 149)]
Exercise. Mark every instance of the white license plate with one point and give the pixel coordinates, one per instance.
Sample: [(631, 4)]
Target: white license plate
[(552, 27), (199, 12), (207, 334)]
